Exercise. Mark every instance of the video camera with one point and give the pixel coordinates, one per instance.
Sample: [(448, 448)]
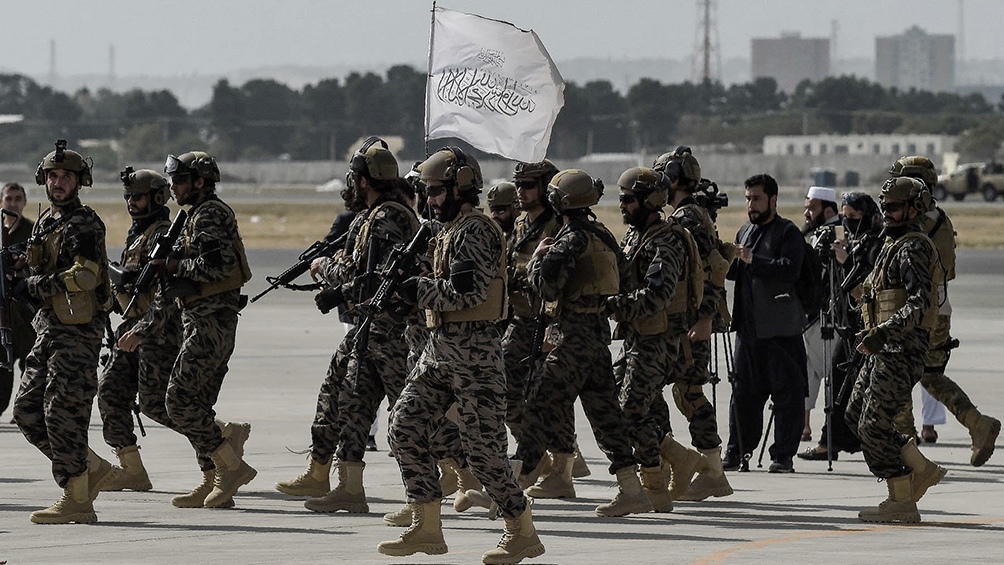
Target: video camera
[(708, 196)]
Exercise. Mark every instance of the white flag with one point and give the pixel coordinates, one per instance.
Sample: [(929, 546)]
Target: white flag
[(492, 85)]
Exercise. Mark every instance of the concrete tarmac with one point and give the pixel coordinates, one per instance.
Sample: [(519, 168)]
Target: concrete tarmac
[(283, 348)]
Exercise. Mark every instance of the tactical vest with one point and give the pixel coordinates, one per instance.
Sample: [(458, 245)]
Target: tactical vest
[(361, 249), (882, 303), (496, 306), (595, 274), (75, 306), (524, 301), (133, 259), (238, 276), (658, 322), (717, 263)]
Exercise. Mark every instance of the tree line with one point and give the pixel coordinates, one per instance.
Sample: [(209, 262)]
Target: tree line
[(266, 119)]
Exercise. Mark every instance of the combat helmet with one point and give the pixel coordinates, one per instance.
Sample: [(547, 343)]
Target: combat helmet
[(146, 181), (681, 164), (196, 163), (66, 160), (542, 170), (916, 166), (451, 166), (502, 194), (374, 160), (909, 190), (650, 186), (572, 189)]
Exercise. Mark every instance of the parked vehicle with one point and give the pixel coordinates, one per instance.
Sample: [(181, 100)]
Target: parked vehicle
[(968, 178)]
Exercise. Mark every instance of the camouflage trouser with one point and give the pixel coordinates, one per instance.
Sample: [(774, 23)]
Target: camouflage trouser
[(515, 349), (326, 426), (146, 371), (880, 392), (938, 385), (53, 405), (688, 392), (462, 363), (210, 328), (640, 373), (577, 367), (380, 371)]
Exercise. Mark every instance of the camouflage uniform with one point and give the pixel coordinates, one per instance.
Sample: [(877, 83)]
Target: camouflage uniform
[(656, 257), (887, 378), (579, 364), (53, 405), (525, 303), (690, 375), (211, 254), (381, 369), (462, 363), (148, 369), (22, 334)]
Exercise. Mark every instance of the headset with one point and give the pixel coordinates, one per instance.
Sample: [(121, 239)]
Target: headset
[(463, 173)]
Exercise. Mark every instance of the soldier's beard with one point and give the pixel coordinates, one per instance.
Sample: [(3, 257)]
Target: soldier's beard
[(448, 210)]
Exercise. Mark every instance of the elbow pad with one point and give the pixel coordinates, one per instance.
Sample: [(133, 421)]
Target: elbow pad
[(462, 276), (81, 276)]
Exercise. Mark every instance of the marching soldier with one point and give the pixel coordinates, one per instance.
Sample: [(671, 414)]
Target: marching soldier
[(899, 306), (147, 340), (206, 271), (464, 297), (656, 252), (68, 276)]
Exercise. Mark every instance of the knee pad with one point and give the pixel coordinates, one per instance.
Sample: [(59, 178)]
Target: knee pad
[(689, 398)]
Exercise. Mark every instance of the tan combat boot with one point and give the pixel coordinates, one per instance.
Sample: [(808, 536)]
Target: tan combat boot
[(630, 499), (313, 482), (197, 497), (684, 462), (711, 481), (130, 474), (238, 434), (231, 474), (656, 489), (579, 467), (543, 469), (400, 518), (98, 471), (899, 507), (519, 541), (470, 491), (447, 476), (558, 484), (425, 534), (926, 473), (984, 431), (349, 495), (74, 506)]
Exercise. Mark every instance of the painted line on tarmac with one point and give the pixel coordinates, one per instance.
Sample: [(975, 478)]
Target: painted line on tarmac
[(719, 557)]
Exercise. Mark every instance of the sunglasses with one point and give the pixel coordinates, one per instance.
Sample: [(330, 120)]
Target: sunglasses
[(627, 199), (526, 184), (133, 196), (892, 206), (434, 191)]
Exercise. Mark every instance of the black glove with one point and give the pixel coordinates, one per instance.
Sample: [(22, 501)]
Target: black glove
[(408, 290), (329, 298), (180, 288)]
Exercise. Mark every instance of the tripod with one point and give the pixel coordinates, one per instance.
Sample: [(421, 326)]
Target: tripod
[(826, 331)]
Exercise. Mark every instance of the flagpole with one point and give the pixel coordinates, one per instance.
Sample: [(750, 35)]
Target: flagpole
[(428, 76)]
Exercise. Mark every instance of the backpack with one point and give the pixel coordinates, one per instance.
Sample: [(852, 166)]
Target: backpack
[(809, 286)]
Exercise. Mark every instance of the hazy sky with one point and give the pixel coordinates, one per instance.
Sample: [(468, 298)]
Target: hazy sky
[(155, 37)]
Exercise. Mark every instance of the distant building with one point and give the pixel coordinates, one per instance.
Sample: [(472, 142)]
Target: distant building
[(916, 59), (790, 59), (893, 145)]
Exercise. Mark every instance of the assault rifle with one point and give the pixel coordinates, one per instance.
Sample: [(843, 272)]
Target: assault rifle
[(148, 275), (540, 324), (323, 248), (6, 293), (398, 268)]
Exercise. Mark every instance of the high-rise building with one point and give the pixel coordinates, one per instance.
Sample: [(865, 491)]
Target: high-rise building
[(916, 59), (790, 59)]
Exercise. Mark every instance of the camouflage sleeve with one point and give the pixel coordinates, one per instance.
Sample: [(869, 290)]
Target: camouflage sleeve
[(154, 321), (212, 257), (549, 273), (79, 261), (664, 257), (913, 264), (340, 269), (706, 243), (479, 244)]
